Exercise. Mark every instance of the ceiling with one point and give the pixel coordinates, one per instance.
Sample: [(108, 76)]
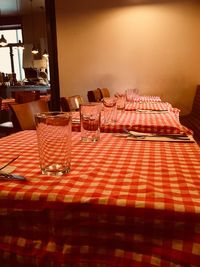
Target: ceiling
[(16, 7)]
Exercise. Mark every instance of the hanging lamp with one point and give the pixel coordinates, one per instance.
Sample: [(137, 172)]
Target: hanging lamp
[(3, 41), (45, 53), (20, 45), (34, 49)]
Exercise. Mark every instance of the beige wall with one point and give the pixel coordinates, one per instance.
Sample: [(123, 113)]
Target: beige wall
[(118, 44)]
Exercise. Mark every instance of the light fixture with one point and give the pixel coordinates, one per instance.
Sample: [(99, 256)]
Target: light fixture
[(20, 44), (45, 53), (3, 41), (34, 49)]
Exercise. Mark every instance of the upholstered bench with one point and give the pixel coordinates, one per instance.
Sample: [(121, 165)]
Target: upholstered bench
[(192, 120)]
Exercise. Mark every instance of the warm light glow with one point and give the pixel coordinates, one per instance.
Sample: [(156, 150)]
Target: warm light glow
[(45, 54), (20, 45), (34, 50)]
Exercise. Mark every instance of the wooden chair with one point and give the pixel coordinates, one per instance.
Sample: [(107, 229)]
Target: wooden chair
[(192, 120), (71, 103), (94, 95), (105, 92), (23, 114), (26, 96)]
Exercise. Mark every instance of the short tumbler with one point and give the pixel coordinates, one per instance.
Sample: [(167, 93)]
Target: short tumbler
[(90, 121), (54, 142)]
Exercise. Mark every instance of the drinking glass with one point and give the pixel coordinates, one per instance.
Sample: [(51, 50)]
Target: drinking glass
[(54, 142), (110, 110), (90, 114)]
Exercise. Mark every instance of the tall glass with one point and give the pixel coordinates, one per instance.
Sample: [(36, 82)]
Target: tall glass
[(54, 142), (110, 110), (90, 114)]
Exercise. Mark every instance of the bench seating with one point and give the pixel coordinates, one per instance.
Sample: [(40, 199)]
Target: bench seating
[(192, 120)]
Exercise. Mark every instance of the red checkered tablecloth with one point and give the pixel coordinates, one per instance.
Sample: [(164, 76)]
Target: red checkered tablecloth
[(147, 98), (124, 203), (166, 123), (147, 106), (7, 101)]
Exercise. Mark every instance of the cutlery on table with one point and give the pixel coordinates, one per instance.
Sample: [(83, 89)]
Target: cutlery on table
[(11, 177), (141, 135), (8, 163)]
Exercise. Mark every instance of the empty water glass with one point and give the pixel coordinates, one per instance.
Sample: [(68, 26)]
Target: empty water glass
[(110, 110)]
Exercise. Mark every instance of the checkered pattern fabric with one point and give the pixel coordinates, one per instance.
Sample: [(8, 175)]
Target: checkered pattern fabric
[(7, 101), (166, 123), (147, 99), (147, 106), (124, 203)]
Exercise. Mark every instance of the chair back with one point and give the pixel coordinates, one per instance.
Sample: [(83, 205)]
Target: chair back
[(94, 95), (26, 96), (23, 114), (196, 103), (105, 92), (71, 103), (64, 104)]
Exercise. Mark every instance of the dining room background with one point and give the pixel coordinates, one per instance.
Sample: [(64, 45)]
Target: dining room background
[(150, 45)]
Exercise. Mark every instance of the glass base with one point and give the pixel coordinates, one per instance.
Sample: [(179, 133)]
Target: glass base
[(90, 139), (55, 170)]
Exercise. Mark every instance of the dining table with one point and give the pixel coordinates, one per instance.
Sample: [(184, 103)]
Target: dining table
[(149, 121), (156, 106), (125, 203), (11, 101)]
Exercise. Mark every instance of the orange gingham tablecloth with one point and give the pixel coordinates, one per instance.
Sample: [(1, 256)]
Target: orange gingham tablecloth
[(146, 98), (147, 106), (124, 203), (7, 101), (164, 123)]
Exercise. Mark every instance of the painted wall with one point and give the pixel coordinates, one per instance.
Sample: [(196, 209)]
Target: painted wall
[(150, 45)]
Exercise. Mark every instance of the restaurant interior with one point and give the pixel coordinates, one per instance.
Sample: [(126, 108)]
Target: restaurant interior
[(127, 73)]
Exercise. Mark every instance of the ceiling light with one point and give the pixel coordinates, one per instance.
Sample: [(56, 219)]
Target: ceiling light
[(34, 50), (3, 41), (20, 45), (45, 54)]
